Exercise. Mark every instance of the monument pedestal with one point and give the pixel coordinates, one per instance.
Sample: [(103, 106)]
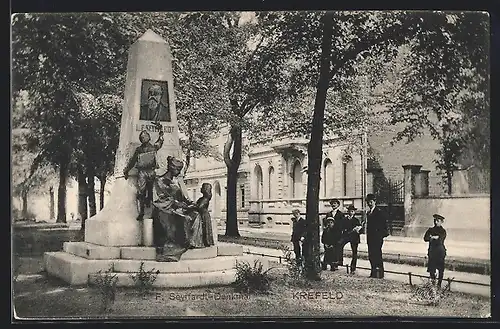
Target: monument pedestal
[(116, 224), (80, 263)]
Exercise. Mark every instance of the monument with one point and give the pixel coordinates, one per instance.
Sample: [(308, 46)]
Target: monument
[(120, 236)]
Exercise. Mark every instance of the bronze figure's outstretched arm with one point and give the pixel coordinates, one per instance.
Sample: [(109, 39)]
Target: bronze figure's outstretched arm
[(159, 141)]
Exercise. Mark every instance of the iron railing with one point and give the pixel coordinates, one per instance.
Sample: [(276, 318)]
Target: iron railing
[(409, 274)]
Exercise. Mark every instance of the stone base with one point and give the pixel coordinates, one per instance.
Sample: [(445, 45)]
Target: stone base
[(116, 224), (179, 280), (73, 269), (80, 262), (91, 251), (118, 233)]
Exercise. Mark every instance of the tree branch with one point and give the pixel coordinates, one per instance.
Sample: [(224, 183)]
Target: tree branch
[(249, 62)]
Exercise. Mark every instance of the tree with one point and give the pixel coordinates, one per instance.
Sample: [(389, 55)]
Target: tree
[(52, 53), (357, 35), (25, 178), (98, 137), (315, 158), (442, 87)]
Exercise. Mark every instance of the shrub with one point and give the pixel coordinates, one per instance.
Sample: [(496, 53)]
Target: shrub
[(252, 279), (428, 293), (296, 272), (106, 283), (144, 279)]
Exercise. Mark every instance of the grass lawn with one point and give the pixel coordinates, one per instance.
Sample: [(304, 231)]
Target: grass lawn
[(36, 296)]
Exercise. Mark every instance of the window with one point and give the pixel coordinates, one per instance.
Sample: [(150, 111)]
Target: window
[(259, 182), (297, 180), (270, 183), (349, 178), (242, 190), (328, 178)]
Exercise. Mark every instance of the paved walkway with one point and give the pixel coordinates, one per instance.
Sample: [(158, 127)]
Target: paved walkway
[(392, 245), (403, 268)]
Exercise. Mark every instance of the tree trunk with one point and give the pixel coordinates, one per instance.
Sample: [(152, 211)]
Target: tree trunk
[(449, 175), (91, 192), (82, 197), (61, 192), (234, 141), (102, 180), (51, 206), (24, 198), (188, 161), (315, 147)]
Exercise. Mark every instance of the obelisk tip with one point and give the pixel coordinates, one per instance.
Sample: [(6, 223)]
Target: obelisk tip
[(151, 36)]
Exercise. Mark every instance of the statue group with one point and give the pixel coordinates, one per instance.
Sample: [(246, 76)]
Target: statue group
[(179, 223)]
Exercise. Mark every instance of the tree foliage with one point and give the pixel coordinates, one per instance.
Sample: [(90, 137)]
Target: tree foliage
[(441, 86), (357, 37), (53, 56)]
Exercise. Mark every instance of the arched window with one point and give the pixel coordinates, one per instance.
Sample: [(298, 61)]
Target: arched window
[(328, 178), (297, 180), (270, 184), (259, 182), (349, 178)]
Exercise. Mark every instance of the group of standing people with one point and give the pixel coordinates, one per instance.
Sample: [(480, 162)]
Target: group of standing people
[(340, 228)]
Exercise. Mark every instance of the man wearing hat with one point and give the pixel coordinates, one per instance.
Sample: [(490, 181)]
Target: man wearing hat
[(352, 231), (338, 230), (376, 231), (437, 251)]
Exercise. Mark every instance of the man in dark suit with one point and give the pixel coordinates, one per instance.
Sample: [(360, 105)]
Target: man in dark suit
[(154, 109), (338, 228), (351, 235), (298, 235), (376, 231)]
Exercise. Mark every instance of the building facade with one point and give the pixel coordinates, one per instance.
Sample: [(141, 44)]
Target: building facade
[(273, 180)]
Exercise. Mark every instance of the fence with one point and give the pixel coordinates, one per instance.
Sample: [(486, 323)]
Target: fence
[(410, 275)]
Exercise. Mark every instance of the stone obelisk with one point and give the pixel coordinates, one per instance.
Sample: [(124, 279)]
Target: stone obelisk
[(149, 71)]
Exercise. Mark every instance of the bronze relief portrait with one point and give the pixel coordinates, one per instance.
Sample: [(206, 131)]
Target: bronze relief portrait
[(154, 101)]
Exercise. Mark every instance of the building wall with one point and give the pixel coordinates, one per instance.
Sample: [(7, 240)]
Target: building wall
[(268, 180), (467, 218), (214, 172), (421, 151)]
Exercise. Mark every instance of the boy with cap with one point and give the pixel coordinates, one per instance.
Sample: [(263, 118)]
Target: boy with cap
[(330, 239), (437, 251), (376, 231), (353, 230)]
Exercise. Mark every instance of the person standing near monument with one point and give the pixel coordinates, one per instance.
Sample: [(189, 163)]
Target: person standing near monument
[(376, 231), (330, 239), (144, 159), (154, 109), (339, 227), (298, 234), (437, 251), (353, 227)]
